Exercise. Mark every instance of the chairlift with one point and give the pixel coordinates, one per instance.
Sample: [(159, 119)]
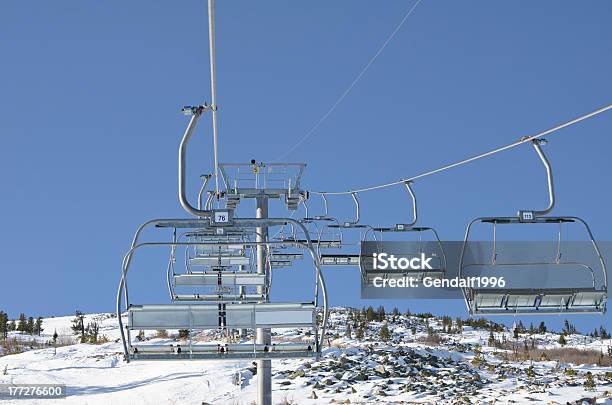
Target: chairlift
[(341, 258), (436, 251), (325, 238), (228, 311), (590, 298)]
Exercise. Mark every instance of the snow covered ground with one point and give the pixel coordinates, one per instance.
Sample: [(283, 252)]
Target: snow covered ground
[(405, 369)]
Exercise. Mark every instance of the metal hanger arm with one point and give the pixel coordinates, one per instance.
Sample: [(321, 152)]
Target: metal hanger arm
[(414, 204), (196, 114), (549, 178)]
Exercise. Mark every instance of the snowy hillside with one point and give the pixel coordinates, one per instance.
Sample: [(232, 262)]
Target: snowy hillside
[(417, 363)]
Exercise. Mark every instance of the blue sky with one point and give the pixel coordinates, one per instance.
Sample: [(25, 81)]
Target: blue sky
[(90, 94)]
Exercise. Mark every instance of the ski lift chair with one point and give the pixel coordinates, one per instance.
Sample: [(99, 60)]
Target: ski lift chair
[(280, 258), (590, 298), (435, 251), (339, 257), (324, 240), (219, 315), (224, 270)]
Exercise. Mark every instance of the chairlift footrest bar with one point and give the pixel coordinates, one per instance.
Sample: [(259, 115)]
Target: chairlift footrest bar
[(219, 297), (224, 356), (323, 244), (340, 260), (220, 261)]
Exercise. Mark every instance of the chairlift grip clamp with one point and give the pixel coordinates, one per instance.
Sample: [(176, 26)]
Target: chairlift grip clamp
[(198, 109)]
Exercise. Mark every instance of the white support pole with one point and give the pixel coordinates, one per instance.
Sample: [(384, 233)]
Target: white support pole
[(263, 336), (213, 88)]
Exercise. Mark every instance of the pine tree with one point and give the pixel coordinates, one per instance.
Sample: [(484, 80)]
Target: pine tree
[(360, 332), (11, 326), (516, 332), (55, 336), (384, 333), (562, 340), (531, 329), (447, 324), (30, 325), (183, 333), (92, 331), (38, 326), (589, 383), (22, 326), (3, 325), (459, 324), (381, 313), (568, 328), (348, 331), (395, 314), (78, 325), (542, 327), (492, 340), (478, 357), (370, 316)]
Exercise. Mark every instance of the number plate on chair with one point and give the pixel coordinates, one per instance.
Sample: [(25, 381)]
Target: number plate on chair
[(222, 217)]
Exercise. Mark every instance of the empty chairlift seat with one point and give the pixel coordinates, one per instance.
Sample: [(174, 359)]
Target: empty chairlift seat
[(503, 302), (427, 243), (588, 294), (340, 259), (219, 278), (231, 316), (201, 317)]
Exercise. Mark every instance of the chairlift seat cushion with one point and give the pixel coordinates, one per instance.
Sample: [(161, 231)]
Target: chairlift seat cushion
[(200, 317), (537, 300), (226, 279)]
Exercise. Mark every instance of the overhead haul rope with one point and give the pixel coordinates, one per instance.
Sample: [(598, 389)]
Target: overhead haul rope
[(473, 158), (350, 87)]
